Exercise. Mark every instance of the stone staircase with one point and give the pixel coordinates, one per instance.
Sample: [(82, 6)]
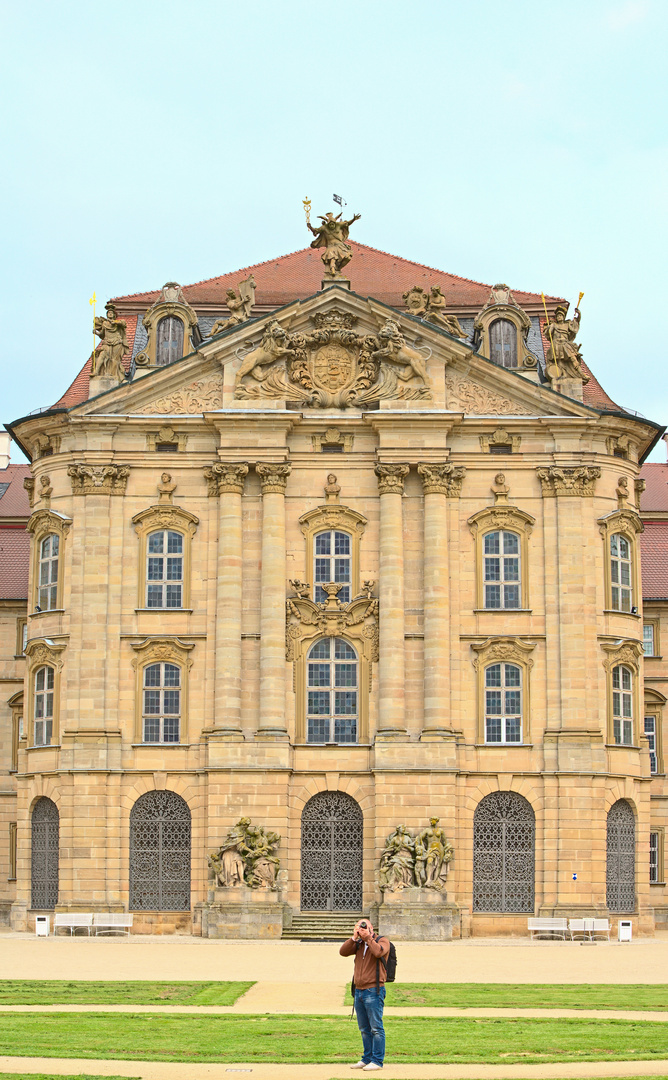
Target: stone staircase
[(321, 926)]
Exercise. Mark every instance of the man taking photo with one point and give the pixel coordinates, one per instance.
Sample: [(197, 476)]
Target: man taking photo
[(369, 951)]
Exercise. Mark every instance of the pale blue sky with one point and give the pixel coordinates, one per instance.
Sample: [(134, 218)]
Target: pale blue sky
[(522, 142)]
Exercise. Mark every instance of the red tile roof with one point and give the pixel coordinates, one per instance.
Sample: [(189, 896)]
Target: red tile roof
[(655, 495), (14, 558), (654, 553), (592, 392), (14, 502), (371, 272), (77, 391)]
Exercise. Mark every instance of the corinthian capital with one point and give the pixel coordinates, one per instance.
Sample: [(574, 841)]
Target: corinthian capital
[(273, 477), (555, 480), (391, 478), (224, 477), (98, 479), (442, 479)]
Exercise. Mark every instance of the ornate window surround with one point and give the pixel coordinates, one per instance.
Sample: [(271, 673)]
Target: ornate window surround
[(42, 524), (154, 519), (511, 313), (166, 436), (155, 650), (653, 706), (628, 524), (42, 652), (496, 650), (161, 309), (628, 652), (334, 516), (15, 703), (509, 519)]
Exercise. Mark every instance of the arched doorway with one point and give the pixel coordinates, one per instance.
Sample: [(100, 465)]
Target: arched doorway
[(621, 861), (160, 853), (504, 837), (44, 855), (332, 842)]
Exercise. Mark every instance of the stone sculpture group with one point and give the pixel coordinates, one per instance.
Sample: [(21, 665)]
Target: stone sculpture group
[(247, 857), (419, 861)]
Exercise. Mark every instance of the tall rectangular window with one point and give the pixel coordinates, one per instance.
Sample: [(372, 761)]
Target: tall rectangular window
[(648, 639), (650, 734), (653, 857), (503, 703), (162, 703), (622, 705), (620, 573), (47, 593), (502, 570), (12, 851), (43, 719), (164, 570)]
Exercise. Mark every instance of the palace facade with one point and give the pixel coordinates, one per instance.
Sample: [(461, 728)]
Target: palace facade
[(369, 550)]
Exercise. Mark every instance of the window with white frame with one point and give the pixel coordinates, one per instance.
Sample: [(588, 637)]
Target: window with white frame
[(332, 692), (503, 703), (622, 705), (620, 573), (648, 639), (502, 570), (332, 561), (43, 706), (650, 735), (161, 714), (653, 857), (47, 593), (164, 569)]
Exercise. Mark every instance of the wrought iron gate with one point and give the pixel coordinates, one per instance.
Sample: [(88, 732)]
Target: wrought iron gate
[(160, 853), (332, 840), (44, 855), (504, 836), (621, 864)]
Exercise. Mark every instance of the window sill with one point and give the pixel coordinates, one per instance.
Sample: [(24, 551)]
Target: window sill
[(49, 611), (502, 610), (160, 745), (622, 746), (650, 884), (503, 745), (653, 656), (163, 610), (626, 614), (49, 746), (334, 745)]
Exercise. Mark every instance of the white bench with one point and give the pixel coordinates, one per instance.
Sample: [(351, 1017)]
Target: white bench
[(112, 922), (550, 927), (589, 928), (73, 921), (601, 926)]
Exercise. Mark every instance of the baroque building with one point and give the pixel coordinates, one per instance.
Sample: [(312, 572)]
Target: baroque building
[(316, 562)]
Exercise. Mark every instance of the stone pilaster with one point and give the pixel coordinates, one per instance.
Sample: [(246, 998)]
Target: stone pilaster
[(391, 720), (226, 480), (438, 481), (273, 479)]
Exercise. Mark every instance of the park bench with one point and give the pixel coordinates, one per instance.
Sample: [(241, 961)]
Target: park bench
[(112, 922), (548, 927), (588, 928), (73, 921)]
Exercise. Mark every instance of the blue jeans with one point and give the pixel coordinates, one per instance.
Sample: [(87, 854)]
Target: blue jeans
[(369, 1008)]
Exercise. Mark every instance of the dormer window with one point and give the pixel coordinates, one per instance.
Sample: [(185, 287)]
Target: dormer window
[(169, 345), (503, 343)]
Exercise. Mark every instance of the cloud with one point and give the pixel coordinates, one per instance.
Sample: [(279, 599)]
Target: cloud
[(628, 14)]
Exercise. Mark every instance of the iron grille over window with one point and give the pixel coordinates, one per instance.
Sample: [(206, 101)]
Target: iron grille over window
[(504, 836), (160, 853), (44, 861), (332, 839), (621, 869)]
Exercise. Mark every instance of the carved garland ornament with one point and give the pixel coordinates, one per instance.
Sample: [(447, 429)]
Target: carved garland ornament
[(169, 649), (306, 620), (47, 521), (226, 477), (556, 480), (442, 479), (98, 479), (165, 517), (478, 401), (626, 651), (501, 517), (505, 648), (201, 395), (44, 651), (626, 522)]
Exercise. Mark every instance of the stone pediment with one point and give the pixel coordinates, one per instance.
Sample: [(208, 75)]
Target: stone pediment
[(334, 350)]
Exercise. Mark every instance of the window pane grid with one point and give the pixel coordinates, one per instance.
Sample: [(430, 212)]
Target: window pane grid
[(653, 857), (164, 570), (622, 705), (48, 572), (332, 562), (503, 704), (501, 565), (161, 703), (650, 735), (332, 711), (620, 573), (648, 639)]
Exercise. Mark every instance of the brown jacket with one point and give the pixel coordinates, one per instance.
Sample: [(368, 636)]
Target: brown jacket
[(365, 960)]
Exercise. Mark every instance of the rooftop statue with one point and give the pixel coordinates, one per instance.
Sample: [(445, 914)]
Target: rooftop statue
[(563, 354), (240, 307), (436, 314), (332, 236), (112, 333)]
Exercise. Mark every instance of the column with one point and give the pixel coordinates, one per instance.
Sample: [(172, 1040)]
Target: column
[(391, 595), (227, 481), (273, 479), (438, 481)]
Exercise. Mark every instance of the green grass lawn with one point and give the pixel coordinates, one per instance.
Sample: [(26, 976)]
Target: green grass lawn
[(60, 992), (316, 1039), (527, 996)]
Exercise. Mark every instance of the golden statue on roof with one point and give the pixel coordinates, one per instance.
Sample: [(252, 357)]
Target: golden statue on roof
[(332, 236)]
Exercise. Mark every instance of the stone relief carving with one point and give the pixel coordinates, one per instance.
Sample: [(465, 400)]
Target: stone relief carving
[(247, 857), (500, 437), (503, 648), (443, 479), (332, 235), (333, 366), (579, 480), (478, 401), (240, 306), (627, 651), (333, 437), (199, 396), (45, 652), (415, 861), (166, 436), (162, 649), (305, 618), (98, 479)]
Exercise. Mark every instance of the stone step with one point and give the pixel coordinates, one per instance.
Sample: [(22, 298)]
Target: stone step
[(321, 926)]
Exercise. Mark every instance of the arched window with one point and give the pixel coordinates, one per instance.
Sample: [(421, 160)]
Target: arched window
[(622, 705), (332, 692), (621, 860), (501, 572), (47, 592), (43, 706), (332, 561), (169, 345), (504, 837), (164, 569), (44, 855), (503, 343), (161, 711), (160, 832), (503, 703), (620, 573)]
